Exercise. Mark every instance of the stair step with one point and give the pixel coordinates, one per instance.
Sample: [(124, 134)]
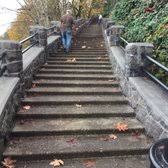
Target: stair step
[(73, 83), (72, 111), (83, 53), (71, 126), (75, 77), (77, 99), (79, 63), (73, 71), (97, 67), (52, 147), (74, 91), (78, 56), (78, 59), (86, 52), (97, 162)]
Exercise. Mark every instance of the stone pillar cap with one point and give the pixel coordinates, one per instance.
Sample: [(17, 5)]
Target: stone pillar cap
[(140, 44), (10, 45)]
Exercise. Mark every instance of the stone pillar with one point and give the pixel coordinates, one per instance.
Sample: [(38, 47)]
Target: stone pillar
[(57, 25), (13, 58), (3, 56), (134, 58), (114, 33), (41, 37)]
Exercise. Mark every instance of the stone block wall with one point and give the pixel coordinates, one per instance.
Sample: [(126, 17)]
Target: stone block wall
[(147, 98)]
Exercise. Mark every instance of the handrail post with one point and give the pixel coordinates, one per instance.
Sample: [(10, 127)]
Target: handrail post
[(114, 32), (134, 58), (12, 58)]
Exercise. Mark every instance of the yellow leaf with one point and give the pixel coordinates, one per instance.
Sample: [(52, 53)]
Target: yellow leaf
[(56, 163)]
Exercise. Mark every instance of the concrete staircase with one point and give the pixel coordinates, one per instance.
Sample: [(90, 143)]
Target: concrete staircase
[(75, 105)]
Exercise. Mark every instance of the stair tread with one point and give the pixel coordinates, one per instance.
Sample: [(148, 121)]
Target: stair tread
[(75, 125), (74, 82), (77, 66), (78, 75), (98, 162), (75, 99), (72, 90), (69, 110), (74, 71), (77, 144), (80, 62)]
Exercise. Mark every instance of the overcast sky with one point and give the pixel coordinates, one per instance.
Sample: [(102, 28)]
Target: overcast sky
[(7, 16)]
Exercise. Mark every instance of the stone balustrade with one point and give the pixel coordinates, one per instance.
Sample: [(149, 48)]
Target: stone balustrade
[(16, 73), (148, 99)]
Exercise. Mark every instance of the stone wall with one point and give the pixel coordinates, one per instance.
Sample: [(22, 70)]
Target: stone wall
[(146, 97), (10, 101), (17, 71)]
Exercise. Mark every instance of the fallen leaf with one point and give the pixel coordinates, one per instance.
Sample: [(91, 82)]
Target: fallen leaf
[(112, 137), (89, 163), (8, 163), (109, 138), (89, 47), (34, 85), (121, 126), (71, 60), (26, 107), (56, 163), (72, 141), (136, 135), (78, 105), (83, 47)]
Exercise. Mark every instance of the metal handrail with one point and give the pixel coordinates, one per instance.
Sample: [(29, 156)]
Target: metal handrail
[(51, 27), (125, 41), (156, 63), (27, 48), (28, 38), (153, 61)]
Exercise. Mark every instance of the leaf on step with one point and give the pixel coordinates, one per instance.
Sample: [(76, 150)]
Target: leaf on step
[(71, 60), (56, 163), (8, 163), (121, 127), (136, 135), (101, 45), (89, 47), (34, 85), (72, 141), (89, 163), (83, 47), (26, 107), (78, 105), (112, 137)]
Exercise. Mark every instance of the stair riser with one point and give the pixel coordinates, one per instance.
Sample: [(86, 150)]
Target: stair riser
[(74, 78), (52, 116), (76, 132), (41, 103), (77, 67), (73, 72), (77, 63), (36, 93), (74, 85), (79, 59), (83, 53), (51, 156)]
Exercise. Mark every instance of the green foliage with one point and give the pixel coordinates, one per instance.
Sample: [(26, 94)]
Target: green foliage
[(146, 26)]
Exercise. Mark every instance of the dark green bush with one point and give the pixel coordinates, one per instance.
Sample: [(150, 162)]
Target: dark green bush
[(145, 26)]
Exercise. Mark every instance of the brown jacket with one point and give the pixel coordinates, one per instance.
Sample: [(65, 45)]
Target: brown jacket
[(67, 22)]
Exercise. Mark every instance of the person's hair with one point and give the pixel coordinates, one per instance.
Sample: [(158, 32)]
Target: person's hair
[(68, 11)]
